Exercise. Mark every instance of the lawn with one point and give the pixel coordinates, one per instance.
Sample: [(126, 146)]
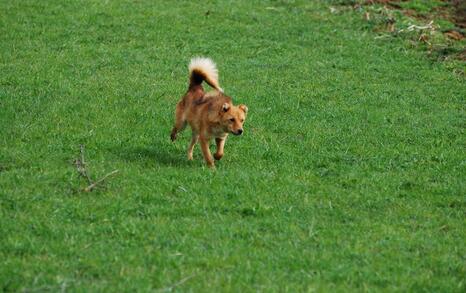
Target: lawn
[(350, 175)]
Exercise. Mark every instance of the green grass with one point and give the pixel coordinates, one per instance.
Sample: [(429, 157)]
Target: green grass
[(433, 22), (423, 6), (350, 175)]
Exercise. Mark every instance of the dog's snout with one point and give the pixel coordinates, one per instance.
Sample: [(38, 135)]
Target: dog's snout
[(240, 131)]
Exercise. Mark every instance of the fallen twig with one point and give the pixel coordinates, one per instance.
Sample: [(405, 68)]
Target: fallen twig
[(170, 288), (413, 27), (82, 170), (81, 166), (90, 187)]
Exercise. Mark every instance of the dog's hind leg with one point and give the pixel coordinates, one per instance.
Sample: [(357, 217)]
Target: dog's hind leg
[(180, 122), (194, 139), (177, 128)]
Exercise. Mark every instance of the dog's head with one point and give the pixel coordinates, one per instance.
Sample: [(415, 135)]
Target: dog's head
[(232, 118)]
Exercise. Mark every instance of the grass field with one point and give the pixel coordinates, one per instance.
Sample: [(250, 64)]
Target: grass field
[(350, 176)]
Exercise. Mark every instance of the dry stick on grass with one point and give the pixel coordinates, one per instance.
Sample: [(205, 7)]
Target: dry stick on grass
[(430, 27), (90, 187), (81, 166), (170, 288)]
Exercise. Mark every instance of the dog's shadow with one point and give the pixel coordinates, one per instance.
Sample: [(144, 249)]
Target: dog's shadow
[(159, 153)]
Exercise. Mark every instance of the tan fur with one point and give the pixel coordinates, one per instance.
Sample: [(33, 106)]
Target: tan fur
[(210, 115)]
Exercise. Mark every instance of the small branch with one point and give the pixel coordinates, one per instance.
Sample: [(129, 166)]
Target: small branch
[(170, 288), (81, 166), (429, 26), (82, 170), (93, 185)]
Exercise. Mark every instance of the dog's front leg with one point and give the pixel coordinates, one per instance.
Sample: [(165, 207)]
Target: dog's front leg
[(206, 152), (220, 144)]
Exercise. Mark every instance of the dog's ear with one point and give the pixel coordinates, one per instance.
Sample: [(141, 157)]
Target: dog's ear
[(244, 108), (225, 107)]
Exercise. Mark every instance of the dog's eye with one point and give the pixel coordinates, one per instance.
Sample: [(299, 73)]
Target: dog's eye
[(232, 120), (242, 120)]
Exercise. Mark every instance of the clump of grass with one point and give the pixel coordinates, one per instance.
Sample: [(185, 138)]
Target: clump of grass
[(419, 24), (422, 7)]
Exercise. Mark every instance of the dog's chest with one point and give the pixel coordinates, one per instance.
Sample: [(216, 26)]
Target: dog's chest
[(218, 132)]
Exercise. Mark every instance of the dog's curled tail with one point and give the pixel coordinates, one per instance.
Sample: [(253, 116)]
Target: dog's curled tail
[(200, 69)]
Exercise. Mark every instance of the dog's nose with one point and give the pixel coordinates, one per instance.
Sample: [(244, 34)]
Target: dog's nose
[(240, 131)]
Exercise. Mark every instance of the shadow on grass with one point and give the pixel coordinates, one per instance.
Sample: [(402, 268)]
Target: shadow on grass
[(158, 153)]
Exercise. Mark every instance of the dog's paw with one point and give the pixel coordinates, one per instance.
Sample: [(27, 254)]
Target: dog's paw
[(173, 136), (218, 156), (211, 164)]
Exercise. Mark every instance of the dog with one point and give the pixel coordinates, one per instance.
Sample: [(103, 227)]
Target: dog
[(210, 115)]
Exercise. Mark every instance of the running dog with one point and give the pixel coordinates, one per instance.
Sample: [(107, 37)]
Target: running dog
[(210, 115)]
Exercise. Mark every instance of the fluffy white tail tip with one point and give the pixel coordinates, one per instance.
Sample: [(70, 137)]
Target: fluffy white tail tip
[(208, 67)]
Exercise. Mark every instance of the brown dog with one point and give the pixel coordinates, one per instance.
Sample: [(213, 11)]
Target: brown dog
[(210, 115)]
